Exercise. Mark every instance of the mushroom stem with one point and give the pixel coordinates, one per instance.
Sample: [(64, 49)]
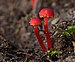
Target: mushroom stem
[(39, 39), (47, 33)]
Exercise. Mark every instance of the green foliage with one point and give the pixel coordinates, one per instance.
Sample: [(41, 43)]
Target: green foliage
[(65, 33), (71, 29), (52, 52)]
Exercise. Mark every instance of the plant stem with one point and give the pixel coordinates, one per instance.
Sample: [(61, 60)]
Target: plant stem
[(47, 33), (39, 39)]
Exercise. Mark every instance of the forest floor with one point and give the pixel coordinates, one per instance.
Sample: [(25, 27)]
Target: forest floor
[(18, 42)]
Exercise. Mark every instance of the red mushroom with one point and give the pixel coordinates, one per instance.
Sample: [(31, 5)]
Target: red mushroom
[(46, 13), (35, 22), (33, 2)]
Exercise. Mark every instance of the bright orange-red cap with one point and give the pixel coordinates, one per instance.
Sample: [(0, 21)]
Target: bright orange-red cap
[(46, 12), (35, 21)]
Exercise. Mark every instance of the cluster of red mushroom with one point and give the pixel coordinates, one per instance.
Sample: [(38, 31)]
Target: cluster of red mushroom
[(45, 13)]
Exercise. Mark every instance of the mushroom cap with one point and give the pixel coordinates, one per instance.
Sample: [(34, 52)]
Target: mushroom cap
[(46, 12), (35, 21)]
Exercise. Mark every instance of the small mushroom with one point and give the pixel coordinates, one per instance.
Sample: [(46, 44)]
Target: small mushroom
[(35, 22), (33, 2), (47, 13)]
